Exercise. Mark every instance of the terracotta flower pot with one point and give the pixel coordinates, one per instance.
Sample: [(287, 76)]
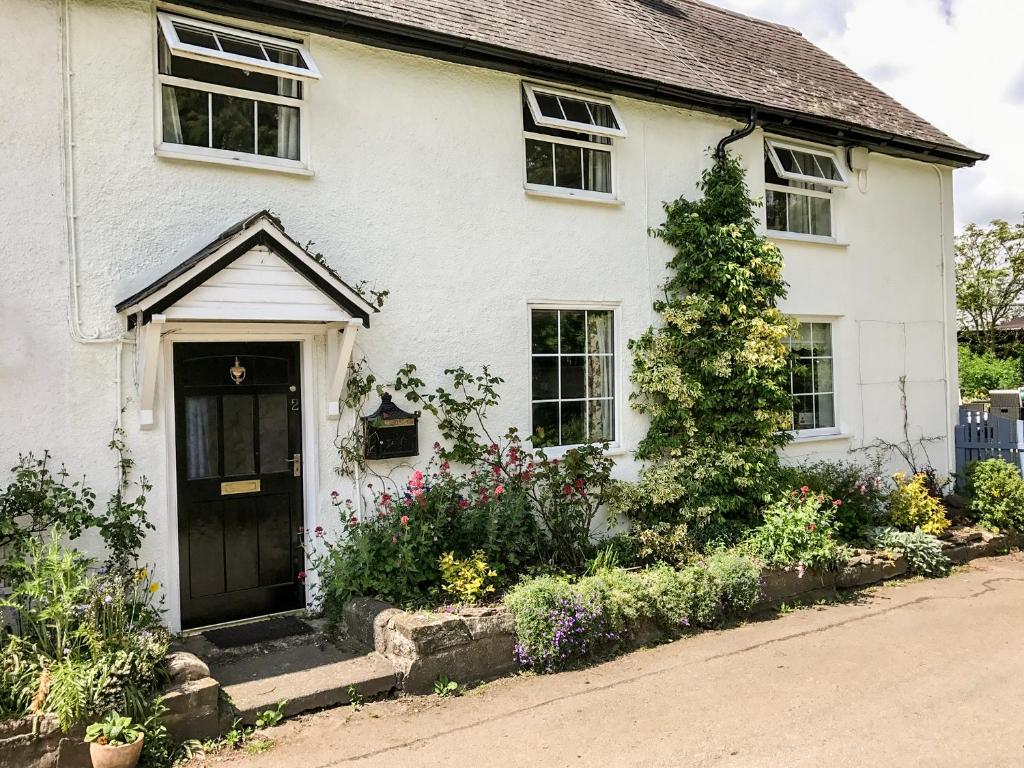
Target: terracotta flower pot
[(120, 756)]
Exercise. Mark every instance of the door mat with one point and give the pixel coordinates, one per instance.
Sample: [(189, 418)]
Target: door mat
[(258, 632)]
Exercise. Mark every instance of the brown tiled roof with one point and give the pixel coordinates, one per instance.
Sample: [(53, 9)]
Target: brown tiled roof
[(673, 46)]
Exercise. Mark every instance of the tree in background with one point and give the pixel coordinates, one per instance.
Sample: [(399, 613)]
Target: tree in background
[(989, 277), (982, 372)]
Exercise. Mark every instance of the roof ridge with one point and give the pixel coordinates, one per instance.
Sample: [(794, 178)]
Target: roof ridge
[(745, 16)]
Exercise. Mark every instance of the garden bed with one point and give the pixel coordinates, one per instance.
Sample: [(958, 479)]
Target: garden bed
[(475, 644)]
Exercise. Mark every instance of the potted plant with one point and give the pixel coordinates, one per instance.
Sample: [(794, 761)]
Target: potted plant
[(114, 742)]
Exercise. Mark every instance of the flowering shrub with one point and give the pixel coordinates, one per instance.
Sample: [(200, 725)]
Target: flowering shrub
[(562, 623), (862, 491), (922, 550), (912, 506), (89, 644), (466, 580), (798, 529), (996, 491)]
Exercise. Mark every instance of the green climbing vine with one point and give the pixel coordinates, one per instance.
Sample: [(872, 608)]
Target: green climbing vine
[(712, 376)]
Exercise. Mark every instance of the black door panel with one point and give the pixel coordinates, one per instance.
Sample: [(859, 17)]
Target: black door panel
[(239, 498)]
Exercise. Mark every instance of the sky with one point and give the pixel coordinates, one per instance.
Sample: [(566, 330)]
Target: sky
[(957, 63)]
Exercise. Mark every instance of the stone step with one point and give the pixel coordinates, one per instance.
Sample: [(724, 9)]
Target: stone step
[(308, 675)]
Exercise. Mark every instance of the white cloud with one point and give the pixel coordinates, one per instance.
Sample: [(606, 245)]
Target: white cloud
[(957, 63)]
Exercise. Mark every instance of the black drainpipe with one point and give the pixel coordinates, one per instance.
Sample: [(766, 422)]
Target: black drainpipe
[(737, 134)]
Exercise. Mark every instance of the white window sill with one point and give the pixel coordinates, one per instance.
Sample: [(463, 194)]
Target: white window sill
[(802, 439), (219, 157), (796, 237), (571, 195), (615, 450)]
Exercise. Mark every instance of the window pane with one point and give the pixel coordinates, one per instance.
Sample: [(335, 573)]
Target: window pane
[(600, 376), (599, 331), (239, 458), (602, 421), (545, 425), (824, 411), (573, 331), (786, 160), (548, 105), (803, 412), (194, 36), (802, 382), (202, 445), (240, 47), (775, 210), (286, 56), (217, 74), (545, 331), (821, 336), (545, 378), (821, 216), (568, 167), (573, 423), (273, 433), (603, 115), (539, 162), (575, 110), (823, 375), (185, 116), (597, 170), (233, 124), (573, 376), (797, 210), (278, 130)]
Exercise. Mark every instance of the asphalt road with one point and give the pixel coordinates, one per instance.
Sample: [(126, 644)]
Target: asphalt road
[(921, 673)]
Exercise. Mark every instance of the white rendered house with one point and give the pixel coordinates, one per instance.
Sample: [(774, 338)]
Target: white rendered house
[(496, 167)]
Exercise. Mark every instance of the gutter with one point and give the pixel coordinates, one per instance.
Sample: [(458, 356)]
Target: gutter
[(379, 33)]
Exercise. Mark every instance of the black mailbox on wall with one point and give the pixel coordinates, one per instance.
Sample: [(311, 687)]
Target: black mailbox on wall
[(391, 432)]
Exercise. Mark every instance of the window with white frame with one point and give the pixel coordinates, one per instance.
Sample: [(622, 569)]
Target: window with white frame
[(231, 93), (799, 183), (569, 141), (573, 376), (812, 380)]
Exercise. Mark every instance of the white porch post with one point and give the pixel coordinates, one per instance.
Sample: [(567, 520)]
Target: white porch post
[(339, 353)]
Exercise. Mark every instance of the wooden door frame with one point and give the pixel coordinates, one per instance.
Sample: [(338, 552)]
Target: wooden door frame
[(238, 332)]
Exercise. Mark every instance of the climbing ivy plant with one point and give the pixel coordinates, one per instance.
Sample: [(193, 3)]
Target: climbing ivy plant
[(712, 376)]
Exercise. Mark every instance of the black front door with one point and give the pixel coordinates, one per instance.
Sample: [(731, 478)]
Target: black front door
[(239, 441)]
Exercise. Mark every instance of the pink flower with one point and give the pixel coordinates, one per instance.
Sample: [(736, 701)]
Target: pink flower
[(404, 520), (394, 539), (437, 446), (579, 483), (353, 520), (493, 448), (319, 530), (812, 527), (837, 503), (334, 494), (499, 489), (567, 490), (445, 466), (804, 490), (416, 481), (385, 499), (301, 576), (463, 503)]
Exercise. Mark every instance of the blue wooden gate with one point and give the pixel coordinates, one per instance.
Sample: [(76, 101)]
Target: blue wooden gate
[(981, 435)]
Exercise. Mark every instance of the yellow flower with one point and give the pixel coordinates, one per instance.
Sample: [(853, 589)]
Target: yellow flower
[(142, 574), (154, 587)]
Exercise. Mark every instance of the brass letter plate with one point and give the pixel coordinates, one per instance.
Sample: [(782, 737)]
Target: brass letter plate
[(239, 486)]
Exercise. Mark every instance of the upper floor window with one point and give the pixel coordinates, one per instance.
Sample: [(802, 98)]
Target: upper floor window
[(573, 377), (812, 380), (798, 188), (569, 141), (230, 93)]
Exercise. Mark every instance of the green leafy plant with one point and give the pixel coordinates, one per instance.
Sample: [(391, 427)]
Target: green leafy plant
[(466, 580), (912, 505), (355, 698), (711, 378), (445, 688), (922, 550), (798, 529), (114, 730), (271, 717), (996, 491), (861, 489), (981, 372)]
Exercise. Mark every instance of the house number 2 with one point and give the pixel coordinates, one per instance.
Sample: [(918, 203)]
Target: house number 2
[(295, 403)]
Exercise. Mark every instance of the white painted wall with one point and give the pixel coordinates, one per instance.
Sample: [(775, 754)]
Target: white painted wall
[(417, 187)]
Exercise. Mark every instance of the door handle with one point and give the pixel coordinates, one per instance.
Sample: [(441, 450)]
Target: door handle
[(296, 462)]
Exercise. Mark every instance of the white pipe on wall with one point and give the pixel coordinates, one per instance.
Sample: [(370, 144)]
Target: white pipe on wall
[(947, 362)]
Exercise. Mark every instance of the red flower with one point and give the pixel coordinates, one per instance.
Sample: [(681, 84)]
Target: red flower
[(579, 483), (319, 531), (567, 490), (496, 471), (812, 527), (463, 503), (837, 503), (404, 520), (445, 466), (513, 454), (334, 494), (301, 576), (353, 520), (493, 448), (805, 490)]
